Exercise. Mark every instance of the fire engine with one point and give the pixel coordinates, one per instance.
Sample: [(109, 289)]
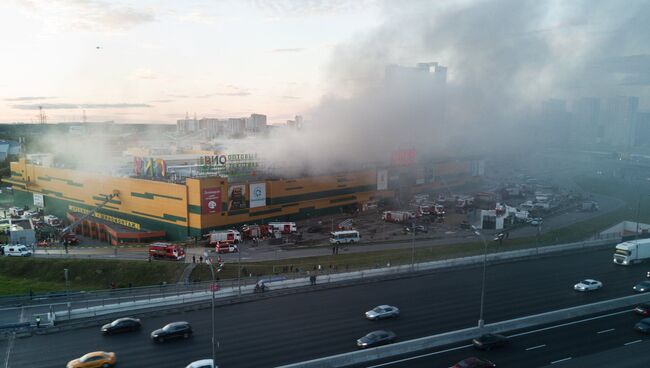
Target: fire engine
[(228, 236), (255, 231), (166, 251), (283, 227)]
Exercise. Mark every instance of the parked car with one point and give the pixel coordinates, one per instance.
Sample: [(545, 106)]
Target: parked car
[(382, 311), (376, 338), (489, 341), (643, 325), (173, 330), (642, 309), (642, 287), (537, 221), (95, 359), (474, 362), (587, 285), (203, 363), (126, 324)]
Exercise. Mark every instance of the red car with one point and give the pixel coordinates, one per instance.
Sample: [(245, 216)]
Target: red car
[(474, 362), (42, 243)]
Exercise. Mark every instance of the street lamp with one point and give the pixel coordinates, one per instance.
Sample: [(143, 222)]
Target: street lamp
[(478, 233), (211, 266), (413, 247)]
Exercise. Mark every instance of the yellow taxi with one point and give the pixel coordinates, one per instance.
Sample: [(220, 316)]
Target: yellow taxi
[(95, 359)]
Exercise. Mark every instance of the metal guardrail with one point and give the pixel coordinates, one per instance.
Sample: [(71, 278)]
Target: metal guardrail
[(131, 303)]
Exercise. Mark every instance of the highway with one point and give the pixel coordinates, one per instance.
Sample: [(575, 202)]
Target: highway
[(293, 328), (567, 344)]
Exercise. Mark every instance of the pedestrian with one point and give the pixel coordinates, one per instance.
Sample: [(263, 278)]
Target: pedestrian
[(193, 259), (200, 259), (150, 258), (333, 250), (38, 321), (337, 249)]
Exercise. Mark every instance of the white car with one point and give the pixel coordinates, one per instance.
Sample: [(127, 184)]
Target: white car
[(203, 363), (382, 311), (588, 284)]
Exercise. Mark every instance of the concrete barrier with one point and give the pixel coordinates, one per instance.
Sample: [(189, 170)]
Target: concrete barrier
[(453, 337)]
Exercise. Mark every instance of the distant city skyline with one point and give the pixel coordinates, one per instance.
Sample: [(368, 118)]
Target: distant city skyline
[(155, 61)]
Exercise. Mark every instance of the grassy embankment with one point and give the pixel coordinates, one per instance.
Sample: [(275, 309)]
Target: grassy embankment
[(575, 232), (18, 275)]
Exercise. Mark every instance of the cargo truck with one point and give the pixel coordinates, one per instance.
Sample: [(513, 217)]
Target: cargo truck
[(633, 251)]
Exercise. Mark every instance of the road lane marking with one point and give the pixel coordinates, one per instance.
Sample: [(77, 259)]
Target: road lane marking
[(561, 360), (419, 356), (604, 331), (10, 346), (568, 324), (536, 347), (632, 342)]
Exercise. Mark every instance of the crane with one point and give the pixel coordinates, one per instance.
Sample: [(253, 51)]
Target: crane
[(76, 223)]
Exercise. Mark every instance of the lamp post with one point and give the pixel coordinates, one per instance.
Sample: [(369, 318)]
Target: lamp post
[(413, 247), (480, 318), (239, 250), (212, 287)]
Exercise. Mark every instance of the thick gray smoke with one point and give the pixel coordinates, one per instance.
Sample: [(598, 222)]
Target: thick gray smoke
[(504, 58)]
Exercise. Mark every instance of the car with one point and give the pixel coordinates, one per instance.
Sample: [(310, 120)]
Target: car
[(126, 324), (376, 338), (643, 325), (474, 362), (382, 311), (95, 359), (642, 309), (203, 363), (587, 285), (536, 221), (172, 330), (642, 287), (489, 341)]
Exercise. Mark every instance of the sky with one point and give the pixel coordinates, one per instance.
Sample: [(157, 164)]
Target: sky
[(151, 61), (154, 61)]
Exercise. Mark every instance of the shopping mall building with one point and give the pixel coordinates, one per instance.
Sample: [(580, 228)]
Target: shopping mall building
[(153, 208)]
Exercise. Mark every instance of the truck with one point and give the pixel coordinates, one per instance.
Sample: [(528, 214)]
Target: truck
[(283, 227), (397, 216), (16, 211), (633, 251), (588, 206), (70, 239), (52, 221), (166, 251), (228, 236), (255, 231)]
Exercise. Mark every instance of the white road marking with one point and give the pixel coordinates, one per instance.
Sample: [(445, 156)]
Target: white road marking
[(603, 331), (568, 324), (536, 347), (10, 346), (561, 360), (418, 356), (632, 342)]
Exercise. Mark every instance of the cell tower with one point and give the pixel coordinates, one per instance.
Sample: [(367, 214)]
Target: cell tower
[(41, 115)]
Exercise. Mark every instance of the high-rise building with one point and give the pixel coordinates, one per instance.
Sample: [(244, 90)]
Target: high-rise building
[(256, 123), (586, 123), (643, 129), (619, 120)]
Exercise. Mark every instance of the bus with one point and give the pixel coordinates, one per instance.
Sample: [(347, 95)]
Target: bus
[(349, 236)]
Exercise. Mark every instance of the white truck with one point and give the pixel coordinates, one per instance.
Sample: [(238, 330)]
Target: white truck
[(225, 236), (633, 251)]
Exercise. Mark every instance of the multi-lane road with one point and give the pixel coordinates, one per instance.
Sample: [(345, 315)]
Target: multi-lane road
[(293, 328)]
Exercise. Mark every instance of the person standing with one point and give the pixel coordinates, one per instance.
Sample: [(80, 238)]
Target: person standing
[(38, 321), (193, 259)]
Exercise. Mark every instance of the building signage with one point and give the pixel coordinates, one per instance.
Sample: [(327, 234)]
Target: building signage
[(258, 195), (211, 200), (382, 179), (237, 197), (116, 220), (403, 157), (39, 201)]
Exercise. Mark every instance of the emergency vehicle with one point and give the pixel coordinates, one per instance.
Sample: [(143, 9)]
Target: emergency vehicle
[(283, 227), (166, 251), (228, 236)]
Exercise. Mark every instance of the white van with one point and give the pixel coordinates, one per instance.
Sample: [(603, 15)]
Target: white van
[(16, 250)]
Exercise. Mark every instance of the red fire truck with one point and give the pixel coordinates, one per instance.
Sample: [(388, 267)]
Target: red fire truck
[(283, 227), (166, 251), (255, 231), (226, 247), (228, 236)]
